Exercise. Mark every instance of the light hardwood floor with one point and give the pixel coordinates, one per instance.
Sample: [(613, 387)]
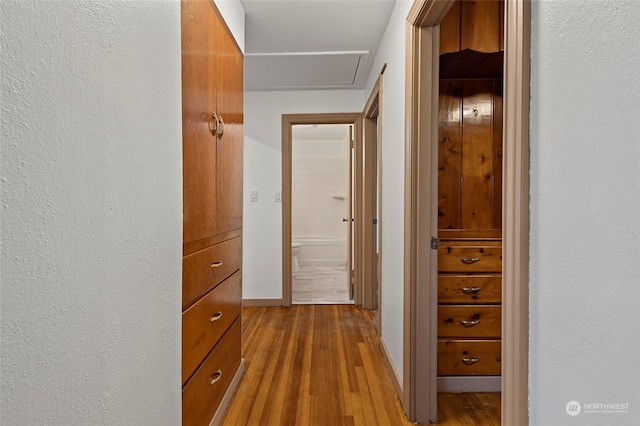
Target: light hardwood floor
[(320, 365)]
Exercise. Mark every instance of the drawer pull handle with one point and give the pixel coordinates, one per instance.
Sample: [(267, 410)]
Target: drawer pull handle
[(468, 261), (470, 361), (216, 264), (215, 317), (216, 376), (470, 290), (470, 323)]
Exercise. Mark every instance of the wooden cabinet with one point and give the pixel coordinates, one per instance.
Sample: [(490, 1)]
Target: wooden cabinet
[(212, 115), (469, 307), (212, 120), (470, 190)]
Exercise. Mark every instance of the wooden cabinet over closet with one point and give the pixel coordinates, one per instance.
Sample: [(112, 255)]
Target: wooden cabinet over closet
[(474, 25), (212, 121)]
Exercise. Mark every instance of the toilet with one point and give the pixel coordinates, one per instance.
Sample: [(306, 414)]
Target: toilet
[(296, 248)]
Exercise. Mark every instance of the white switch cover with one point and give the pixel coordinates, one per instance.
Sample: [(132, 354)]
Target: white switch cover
[(278, 197), (253, 195)]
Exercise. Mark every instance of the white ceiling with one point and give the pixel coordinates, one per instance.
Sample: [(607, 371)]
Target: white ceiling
[(312, 44)]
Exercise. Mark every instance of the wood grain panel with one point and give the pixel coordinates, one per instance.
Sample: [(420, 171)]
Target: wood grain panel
[(229, 146), (467, 289), (477, 158), (461, 259), (203, 270), (204, 323), (450, 30), (480, 26), (453, 353), (496, 219), (200, 397), (469, 321), (198, 104), (449, 154)]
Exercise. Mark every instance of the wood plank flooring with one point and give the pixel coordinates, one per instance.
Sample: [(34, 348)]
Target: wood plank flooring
[(320, 365)]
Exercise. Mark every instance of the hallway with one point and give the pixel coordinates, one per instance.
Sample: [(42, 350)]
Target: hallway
[(320, 365)]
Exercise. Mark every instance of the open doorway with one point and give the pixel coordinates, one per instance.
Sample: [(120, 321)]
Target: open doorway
[(321, 182), (421, 291)]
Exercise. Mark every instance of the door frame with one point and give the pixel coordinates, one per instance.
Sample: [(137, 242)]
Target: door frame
[(288, 121), (372, 133), (419, 393)]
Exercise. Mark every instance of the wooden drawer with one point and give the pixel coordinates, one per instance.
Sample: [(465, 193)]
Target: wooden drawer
[(204, 323), (469, 321), (466, 259), (203, 270), (469, 289), (200, 397), (469, 358)]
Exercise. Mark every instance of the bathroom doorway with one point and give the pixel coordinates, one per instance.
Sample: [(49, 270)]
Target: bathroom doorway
[(321, 188), (359, 287)]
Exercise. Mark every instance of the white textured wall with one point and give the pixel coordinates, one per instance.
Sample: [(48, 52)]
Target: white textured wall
[(585, 210), (262, 224), (233, 14), (392, 53), (319, 177), (91, 196)]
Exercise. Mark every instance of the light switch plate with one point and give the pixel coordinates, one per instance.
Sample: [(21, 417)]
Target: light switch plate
[(278, 197), (253, 195)]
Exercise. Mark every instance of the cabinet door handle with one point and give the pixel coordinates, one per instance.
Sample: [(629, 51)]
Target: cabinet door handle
[(215, 377), (470, 290), (469, 261), (470, 323), (220, 126), (215, 317), (216, 264), (213, 124), (470, 361)]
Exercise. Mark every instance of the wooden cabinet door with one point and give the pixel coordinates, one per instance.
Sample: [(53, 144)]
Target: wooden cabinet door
[(199, 32), (230, 72)]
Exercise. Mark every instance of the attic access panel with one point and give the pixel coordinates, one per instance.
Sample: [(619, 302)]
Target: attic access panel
[(303, 70)]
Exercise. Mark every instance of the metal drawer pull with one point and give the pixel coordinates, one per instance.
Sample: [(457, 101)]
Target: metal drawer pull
[(215, 317), (470, 323), (470, 290), (469, 361), (216, 264), (216, 376), (468, 261)]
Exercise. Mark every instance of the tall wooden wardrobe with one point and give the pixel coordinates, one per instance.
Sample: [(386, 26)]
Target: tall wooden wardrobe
[(212, 120), (470, 192)]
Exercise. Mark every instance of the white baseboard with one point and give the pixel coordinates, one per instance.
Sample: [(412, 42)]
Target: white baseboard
[(228, 396), (469, 384)]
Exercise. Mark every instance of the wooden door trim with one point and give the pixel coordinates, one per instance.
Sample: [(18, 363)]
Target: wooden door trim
[(419, 393), (371, 132), (288, 121)]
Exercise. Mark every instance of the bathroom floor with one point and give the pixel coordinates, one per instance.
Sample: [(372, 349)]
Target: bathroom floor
[(320, 285)]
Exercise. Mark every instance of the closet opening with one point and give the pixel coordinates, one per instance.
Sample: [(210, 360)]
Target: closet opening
[(466, 223)]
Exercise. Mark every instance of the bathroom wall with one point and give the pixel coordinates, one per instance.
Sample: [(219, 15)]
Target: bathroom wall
[(319, 189)]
